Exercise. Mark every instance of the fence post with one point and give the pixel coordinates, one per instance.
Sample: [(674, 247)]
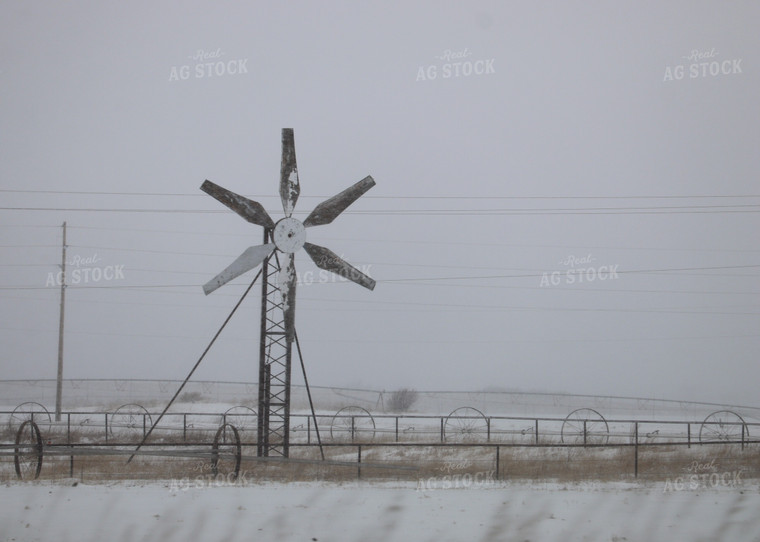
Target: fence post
[(106, 425), (688, 435), (488, 429), (441, 429), (636, 451), (308, 429), (359, 462), (396, 428), (68, 440), (184, 428), (584, 432), (742, 436), (536, 430), (353, 427), (497, 461)]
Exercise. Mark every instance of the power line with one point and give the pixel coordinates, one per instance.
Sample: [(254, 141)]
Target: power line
[(419, 279), (403, 341), (180, 232), (377, 302), (28, 264), (149, 251), (30, 246), (110, 210), (115, 334), (396, 197), (95, 193), (107, 287), (680, 209), (631, 271), (395, 241), (58, 227)]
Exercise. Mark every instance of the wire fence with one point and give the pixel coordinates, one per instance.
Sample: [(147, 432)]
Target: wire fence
[(214, 434), (587, 427), (438, 450)]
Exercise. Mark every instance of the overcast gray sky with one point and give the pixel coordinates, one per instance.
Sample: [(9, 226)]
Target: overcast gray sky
[(618, 137)]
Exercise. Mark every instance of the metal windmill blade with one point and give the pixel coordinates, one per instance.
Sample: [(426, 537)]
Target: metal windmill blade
[(289, 186), (328, 210), (282, 239), (289, 234), (252, 257), (328, 260), (251, 210)]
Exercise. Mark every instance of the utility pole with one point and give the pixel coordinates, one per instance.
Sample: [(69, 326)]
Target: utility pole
[(59, 383)]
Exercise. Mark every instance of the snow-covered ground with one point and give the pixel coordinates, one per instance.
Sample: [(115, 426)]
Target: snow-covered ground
[(129, 511), (667, 509)]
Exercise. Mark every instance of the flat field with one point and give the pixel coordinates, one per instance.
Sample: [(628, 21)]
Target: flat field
[(352, 511)]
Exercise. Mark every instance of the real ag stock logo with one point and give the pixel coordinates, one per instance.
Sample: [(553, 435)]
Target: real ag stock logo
[(579, 270), (207, 64), (453, 64), (700, 64), (85, 270), (704, 476), (452, 479)]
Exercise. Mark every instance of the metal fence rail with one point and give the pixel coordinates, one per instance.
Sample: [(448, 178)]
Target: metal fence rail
[(376, 443), (367, 429), (361, 458)]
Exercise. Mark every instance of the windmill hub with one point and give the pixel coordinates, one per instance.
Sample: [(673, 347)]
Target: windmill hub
[(289, 235)]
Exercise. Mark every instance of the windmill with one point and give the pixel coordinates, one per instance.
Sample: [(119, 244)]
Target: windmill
[(282, 239)]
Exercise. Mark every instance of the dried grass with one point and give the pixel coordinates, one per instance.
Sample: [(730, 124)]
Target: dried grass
[(567, 464)]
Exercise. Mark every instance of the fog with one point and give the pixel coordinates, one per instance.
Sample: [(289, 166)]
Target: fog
[(566, 192)]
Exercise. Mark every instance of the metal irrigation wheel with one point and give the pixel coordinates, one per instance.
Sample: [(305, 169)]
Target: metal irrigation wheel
[(130, 419), (29, 411), (723, 425), (465, 424), (585, 426), (352, 423), (27, 456), (242, 417), (226, 452)]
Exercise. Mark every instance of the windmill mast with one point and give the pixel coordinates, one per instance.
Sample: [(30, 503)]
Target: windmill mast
[(282, 239), (275, 356)]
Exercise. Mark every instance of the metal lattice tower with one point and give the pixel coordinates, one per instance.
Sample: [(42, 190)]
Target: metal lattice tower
[(274, 364)]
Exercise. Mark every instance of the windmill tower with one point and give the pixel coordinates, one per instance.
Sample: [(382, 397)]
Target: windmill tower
[(282, 239)]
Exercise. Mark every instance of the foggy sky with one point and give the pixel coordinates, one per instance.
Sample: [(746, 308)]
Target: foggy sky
[(576, 146)]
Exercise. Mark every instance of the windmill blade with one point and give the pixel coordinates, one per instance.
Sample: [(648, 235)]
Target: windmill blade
[(328, 260), (328, 210), (249, 259), (289, 187), (287, 282), (251, 210)]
